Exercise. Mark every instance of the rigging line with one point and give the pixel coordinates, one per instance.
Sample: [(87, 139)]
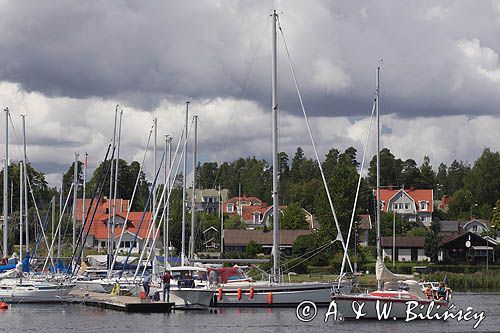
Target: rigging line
[(308, 253), (246, 84), (304, 260), (358, 187), (176, 153), (339, 232), (133, 197)]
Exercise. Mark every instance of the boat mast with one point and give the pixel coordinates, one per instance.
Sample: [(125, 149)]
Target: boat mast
[(276, 215), (184, 171), (153, 206), (193, 192), (166, 203), (25, 186), (221, 213), (5, 186), (116, 187), (21, 211), (75, 197), (379, 250), (60, 218), (110, 196), (84, 209)]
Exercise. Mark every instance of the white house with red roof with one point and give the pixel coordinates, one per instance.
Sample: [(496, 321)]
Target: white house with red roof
[(98, 233), (414, 205)]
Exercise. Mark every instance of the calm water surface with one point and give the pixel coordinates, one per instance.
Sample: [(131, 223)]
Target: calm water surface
[(78, 318)]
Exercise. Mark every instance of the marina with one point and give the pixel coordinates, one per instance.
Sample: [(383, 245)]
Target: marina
[(237, 168)]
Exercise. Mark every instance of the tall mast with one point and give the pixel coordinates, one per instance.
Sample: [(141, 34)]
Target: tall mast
[(6, 186), (75, 197), (84, 209), (276, 215), (193, 192), (116, 184), (53, 226), (184, 172), (60, 217), (25, 186), (221, 213), (153, 206), (21, 211), (379, 250), (110, 202), (166, 203)]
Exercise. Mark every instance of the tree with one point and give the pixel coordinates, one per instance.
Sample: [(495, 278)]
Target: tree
[(432, 241), (253, 248), (457, 172), (293, 218), (331, 161), (410, 175), (427, 175), (483, 179), (233, 222), (390, 169), (417, 232), (206, 174), (495, 219), (460, 204)]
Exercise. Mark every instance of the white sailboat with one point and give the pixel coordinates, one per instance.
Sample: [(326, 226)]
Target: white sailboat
[(16, 288), (396, 294), (275, 292)]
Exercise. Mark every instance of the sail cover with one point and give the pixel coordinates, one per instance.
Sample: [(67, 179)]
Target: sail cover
[(384, 274)]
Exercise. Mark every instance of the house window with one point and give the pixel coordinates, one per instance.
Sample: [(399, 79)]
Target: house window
[(256, 218), (230, 208), (395, 206), (407, 206), (423, 205), (474, 228), (103, 243)]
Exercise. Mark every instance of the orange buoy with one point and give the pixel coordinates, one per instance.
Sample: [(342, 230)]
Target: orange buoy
[(250, 294), (270, 298), (142, 295), (240, 292), (219, 294), (4, 306)]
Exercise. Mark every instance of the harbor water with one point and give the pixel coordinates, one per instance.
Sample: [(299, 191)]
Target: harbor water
[(79, 318)]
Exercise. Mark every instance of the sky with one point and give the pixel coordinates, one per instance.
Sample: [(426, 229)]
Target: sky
[(67, 64)]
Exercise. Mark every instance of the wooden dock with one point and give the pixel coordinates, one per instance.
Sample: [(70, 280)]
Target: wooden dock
[(120, 303)]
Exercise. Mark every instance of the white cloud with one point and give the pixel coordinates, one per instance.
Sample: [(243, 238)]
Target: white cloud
[(483, 59)]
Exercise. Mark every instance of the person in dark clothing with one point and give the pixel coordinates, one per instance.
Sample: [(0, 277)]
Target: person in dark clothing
[(166, 286), (146, 284)]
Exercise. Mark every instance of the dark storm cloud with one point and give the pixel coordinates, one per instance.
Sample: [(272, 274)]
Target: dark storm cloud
[(143, 52)]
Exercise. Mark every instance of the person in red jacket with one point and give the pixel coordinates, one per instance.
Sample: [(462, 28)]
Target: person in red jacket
[(166, 286)]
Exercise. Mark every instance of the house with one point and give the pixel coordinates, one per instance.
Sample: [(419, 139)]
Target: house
[(476, 226), (236, 240), (211, 239), (207, 200), (413, 205), (98, 230), (407, 248), (256, 213), (468, 248)]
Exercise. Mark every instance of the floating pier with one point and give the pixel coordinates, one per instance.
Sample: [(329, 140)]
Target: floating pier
[(120, 303)]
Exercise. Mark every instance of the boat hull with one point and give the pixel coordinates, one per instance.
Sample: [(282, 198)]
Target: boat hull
[(349, 306), (29, 294), (191, 298), (279, 295)]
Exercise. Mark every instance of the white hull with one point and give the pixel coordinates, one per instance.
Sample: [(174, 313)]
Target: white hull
[(96, 286), (190, 298), (397, 308), (33, 293), (284, 294)]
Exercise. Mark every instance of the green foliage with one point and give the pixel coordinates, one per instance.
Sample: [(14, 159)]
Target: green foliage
[(460, 205), (253, 248), (417, 232), (484, 178), (233, 222), (432, 241), (293, 218), (495, 220), (305, 246)]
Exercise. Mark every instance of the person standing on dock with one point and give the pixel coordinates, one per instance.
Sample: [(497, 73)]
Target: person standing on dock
[(146, 284), (166, 286)]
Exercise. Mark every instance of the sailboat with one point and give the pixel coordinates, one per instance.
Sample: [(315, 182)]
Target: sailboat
[(275, 292), (396, 295), (16, 288)]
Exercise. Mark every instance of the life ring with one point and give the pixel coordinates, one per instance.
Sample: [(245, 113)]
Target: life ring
[(270, 298), (4, 306), (250, 294), (219, 294), (240, 293)]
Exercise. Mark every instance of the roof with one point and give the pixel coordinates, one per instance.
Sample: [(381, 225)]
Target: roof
[(99, 229), (403, 242), (102, 206), (451, 226), (458, 242), (252, 200), (241, 237), (417, 196)]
